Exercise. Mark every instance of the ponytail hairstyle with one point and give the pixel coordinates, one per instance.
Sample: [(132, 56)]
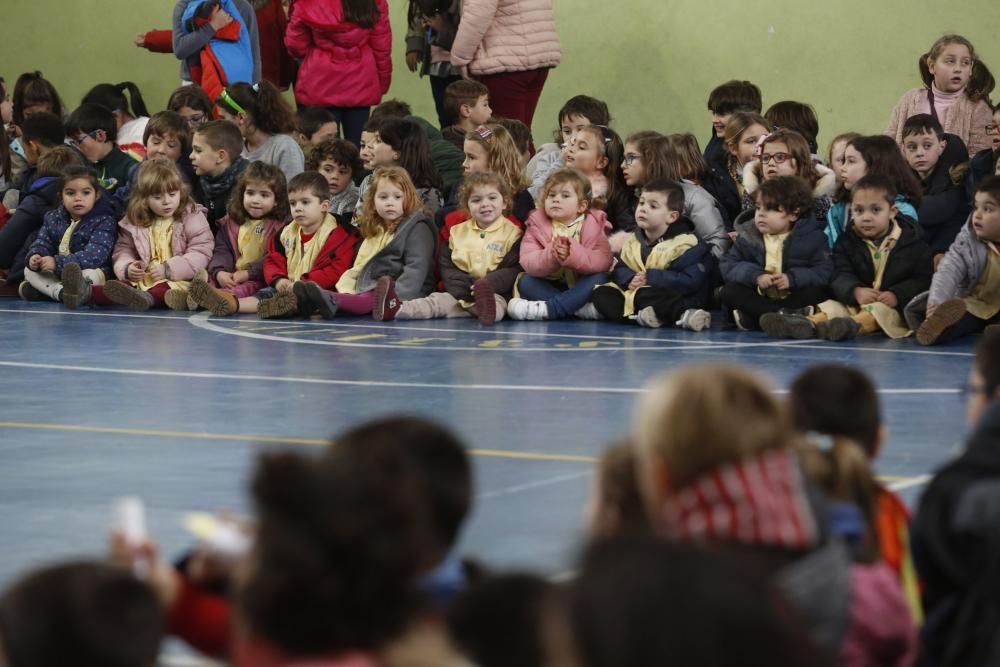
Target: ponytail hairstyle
[(361, 12), (840, 468), (371, 222), (981, 82), (265, 174), (482, 179), (610, 147), (262, 103), (408, 138), (504, 157), (798, 147), (882, 156), (156, 177), (30, 90), (113, 97)]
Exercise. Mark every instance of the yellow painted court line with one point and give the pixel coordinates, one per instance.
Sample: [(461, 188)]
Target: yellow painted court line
[(271, 440)]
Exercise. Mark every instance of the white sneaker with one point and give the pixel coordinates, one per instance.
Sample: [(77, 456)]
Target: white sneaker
[(647, 318), (695, 319), (588, 312), (522, 309)]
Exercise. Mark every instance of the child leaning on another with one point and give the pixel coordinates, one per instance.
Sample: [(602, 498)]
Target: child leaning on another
[(565, 253), (479, 262), (339, 162), (661, 273), (881, 261), (965, 293), (780, 260)]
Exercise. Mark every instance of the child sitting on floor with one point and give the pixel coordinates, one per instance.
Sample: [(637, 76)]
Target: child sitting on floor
[(565, 253), (77, 236), (780, 260), (965, 293), (661, 272), (312, 249), (163, 241), (479, 263), (398, 244), (881, 262), (257, 213)]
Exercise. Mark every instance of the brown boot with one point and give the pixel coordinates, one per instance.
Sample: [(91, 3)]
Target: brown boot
[(133, 297), (947, 314), (177, 299), (282, 304), (213, 300)]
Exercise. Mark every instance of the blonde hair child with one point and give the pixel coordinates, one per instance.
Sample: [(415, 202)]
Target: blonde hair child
[(957, 87), (479, 263), (491, 148), (163, 241), (395, 260), (564, 252)]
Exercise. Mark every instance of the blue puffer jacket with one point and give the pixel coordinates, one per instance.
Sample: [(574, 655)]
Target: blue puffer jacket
[(805, 258), (90, 245)]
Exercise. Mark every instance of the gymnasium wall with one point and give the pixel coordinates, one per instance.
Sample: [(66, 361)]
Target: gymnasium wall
[(654, 61)]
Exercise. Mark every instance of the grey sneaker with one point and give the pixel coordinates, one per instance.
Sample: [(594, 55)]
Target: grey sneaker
[(76, 288), (693, 319), (588, 312), (646, 317)]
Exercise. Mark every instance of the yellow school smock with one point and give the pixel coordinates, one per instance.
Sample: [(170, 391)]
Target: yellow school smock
[(251, 242), (161, 233), (477, 251), (64, 242), (300, 257), (984, 301), (370, 247), (660, 257), (887, 317), (774, 248)]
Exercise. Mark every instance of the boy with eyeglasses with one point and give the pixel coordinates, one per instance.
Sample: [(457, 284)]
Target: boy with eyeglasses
[(92, 130)]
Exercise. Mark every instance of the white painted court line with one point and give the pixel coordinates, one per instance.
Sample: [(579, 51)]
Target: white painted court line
[(811, 345), (909, 483), (537, 484), (933, 391), (86, 313)]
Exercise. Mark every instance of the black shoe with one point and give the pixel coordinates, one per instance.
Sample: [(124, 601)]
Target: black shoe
[(306, 307), (774, 325), (841, 328), (741, 320)]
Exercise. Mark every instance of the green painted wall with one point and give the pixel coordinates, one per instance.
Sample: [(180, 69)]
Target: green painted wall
[(654, 61)]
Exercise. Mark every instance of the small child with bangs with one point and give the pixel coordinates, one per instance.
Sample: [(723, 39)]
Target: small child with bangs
[(339, 161), (167, 136), (881, 262), (480, 261), (163, 241), (780, 259), (661, 273), (565, 253)]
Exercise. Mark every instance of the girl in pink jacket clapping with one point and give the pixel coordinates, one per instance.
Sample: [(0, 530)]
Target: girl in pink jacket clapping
[(163, 241), (564, 252)]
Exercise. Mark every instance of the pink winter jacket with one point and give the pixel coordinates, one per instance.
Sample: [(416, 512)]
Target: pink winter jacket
[(192, 245), (967, 119), (592, 254), (343, 64), (498, 36)]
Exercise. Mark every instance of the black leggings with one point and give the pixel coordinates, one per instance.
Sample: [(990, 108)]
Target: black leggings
[(667, 304), (750, 302), (968, 325)]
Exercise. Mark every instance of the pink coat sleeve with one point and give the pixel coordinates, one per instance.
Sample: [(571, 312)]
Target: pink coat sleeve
[(124, 254), (477, 16), (298, 38), (592, 254), (538, 255), (381, 44), (198, 251)]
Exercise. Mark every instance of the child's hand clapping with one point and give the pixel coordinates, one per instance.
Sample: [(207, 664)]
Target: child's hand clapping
[(562, 246), (134, 272)]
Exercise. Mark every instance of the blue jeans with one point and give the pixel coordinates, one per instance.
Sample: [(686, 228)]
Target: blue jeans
[(352, 121), (561, 301)]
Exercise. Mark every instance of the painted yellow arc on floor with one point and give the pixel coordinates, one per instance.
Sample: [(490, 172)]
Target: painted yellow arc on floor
[(267, 439)]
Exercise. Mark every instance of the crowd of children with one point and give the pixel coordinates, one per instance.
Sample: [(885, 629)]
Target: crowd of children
[(896, 234), (761, 538)]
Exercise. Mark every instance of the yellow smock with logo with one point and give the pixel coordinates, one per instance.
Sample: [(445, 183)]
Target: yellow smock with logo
[(478, 251), (660, 257), (252, 243)]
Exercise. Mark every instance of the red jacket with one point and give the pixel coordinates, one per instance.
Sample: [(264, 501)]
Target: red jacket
[(335, 257), (343, 64)]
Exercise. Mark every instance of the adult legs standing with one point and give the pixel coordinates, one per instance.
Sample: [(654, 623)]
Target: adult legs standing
[(515, 94)]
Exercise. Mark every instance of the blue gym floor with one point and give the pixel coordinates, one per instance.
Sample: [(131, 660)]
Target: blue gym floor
[(96, 404)]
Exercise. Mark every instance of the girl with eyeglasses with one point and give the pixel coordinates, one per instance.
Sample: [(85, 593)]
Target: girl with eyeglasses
[(786, 153), (193, 105)]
